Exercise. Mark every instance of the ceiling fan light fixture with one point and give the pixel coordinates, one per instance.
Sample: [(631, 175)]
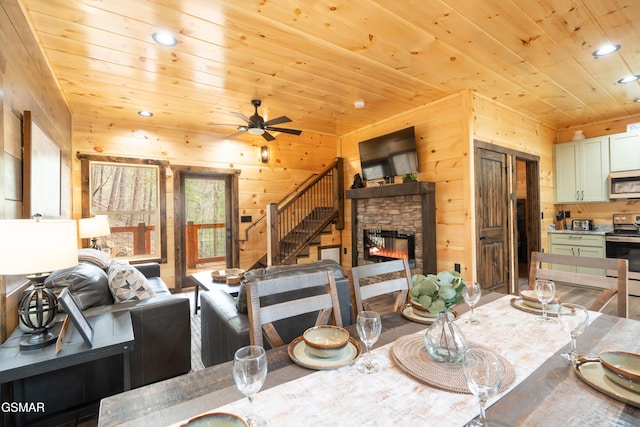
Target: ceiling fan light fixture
[(606, 49), (255, 131), (164, 38), (629, 79)]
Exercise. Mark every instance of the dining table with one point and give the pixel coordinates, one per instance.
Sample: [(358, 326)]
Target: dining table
[(543, 387)]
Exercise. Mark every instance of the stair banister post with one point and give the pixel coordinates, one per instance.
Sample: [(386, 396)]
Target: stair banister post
[(272, 234)]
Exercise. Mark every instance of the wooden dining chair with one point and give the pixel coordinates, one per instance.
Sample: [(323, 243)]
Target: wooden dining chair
[(305, 299), (381, 280), (561, 263)]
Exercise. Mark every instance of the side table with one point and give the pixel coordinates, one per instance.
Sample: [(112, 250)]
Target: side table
[(113, 334), (203, 280)]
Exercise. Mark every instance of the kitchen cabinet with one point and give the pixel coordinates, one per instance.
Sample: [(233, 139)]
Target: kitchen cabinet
[(581, 170), (575, 244), (624, 151)]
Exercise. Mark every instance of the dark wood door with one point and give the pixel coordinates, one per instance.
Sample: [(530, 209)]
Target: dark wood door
[(492, 220)]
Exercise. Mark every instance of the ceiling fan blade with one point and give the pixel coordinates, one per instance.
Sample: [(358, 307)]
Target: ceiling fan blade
[(277, 121), (285, 130), (233, 135), (242, 116), (222, 124), (268, 136)]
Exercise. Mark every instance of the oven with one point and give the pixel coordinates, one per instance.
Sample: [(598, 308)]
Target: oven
[(624, 242)]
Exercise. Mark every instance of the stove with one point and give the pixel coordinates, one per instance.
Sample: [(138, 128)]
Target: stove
[(624, 242)]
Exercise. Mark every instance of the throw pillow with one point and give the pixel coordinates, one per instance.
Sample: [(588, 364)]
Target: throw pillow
[(99, 258), (87, 283), (127, 283)]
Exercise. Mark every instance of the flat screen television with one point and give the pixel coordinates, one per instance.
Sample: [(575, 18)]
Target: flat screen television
[(389, 155)]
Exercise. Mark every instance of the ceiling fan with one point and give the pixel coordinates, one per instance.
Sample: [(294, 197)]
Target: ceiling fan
[(257, 126)]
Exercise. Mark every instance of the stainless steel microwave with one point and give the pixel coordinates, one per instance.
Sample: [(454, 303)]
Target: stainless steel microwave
[(624, 185)]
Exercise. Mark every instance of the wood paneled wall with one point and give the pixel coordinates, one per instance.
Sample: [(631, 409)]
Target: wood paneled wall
[(443, 158), (26, 84), (601, 213), (293, 159), (445, 131), (503, 126)]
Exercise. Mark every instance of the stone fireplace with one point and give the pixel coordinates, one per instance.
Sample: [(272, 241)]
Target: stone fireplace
[(398, 209)]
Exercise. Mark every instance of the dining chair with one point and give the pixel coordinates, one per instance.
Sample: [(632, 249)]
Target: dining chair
[(381, 280), (313, 292), (612, 285)]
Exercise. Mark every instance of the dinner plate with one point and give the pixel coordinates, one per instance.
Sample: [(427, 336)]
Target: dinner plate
[(408, 313), (216, 419), (530, 299), (298, 353), (552, 309), (591, 371), (623, 363)]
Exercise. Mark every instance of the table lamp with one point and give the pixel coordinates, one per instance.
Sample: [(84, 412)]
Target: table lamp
[(37, 247), (92, 228)]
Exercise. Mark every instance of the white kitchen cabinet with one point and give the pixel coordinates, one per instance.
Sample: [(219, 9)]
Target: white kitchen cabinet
[(624, 151), (575, 244), (581, 170)]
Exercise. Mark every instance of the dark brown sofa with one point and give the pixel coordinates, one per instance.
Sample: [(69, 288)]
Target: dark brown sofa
[(162, 350)]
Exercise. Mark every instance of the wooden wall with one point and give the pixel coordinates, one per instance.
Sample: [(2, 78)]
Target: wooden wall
[(601, 213), (445, 131), (503, 126), (293, 159), (443, 157), (25, 85)]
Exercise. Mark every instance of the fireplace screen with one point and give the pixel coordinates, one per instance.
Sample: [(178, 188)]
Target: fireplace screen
[(385, 245)]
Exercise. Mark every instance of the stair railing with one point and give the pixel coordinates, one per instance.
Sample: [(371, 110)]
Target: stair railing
[(293, 225), (262, 228)]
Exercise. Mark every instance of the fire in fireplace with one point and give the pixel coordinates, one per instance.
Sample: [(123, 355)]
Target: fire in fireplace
[(385, 245)]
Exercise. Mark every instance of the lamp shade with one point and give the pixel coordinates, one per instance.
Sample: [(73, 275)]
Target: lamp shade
[(94, 227), (30, 246)]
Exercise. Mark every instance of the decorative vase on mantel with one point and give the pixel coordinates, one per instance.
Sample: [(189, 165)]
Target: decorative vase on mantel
[(444, 339)]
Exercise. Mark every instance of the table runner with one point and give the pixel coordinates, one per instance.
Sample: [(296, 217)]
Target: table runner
[(347, 397)]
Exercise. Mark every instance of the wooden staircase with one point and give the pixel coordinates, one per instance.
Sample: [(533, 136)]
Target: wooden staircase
[(292, 226)]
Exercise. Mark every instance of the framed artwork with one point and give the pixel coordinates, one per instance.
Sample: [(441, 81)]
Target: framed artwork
[(77, 317)]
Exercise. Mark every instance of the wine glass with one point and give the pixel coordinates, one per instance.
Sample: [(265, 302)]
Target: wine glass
[(483, 372), (471, 294), (574, 319), (545, 291), (369, 327), (249, 373)]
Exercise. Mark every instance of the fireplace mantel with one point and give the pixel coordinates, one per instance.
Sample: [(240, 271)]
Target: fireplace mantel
[(404, 189), (410, 201)]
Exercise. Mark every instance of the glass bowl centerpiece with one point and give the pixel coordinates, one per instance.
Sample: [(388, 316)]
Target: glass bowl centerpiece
[(433, 295)]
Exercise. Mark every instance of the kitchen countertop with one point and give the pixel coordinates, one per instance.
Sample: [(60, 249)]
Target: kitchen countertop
[(601, 229)]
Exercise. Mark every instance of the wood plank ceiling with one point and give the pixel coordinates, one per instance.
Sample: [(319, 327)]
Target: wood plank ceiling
[(311, 59)]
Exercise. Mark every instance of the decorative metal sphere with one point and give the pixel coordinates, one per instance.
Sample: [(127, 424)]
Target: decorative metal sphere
[(38, 308)]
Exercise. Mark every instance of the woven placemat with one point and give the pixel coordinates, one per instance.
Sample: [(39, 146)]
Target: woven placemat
[(410, 354)]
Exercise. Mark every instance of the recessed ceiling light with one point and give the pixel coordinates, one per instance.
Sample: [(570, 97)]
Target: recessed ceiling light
[(164, 38), (606, 49), (145, 113), (359, 104), (628, 79), (636, 100)]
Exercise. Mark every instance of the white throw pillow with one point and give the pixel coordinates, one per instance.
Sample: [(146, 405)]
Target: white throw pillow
[(127, 283)]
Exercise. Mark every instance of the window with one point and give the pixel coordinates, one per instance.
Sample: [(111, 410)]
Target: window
[(130, 193)]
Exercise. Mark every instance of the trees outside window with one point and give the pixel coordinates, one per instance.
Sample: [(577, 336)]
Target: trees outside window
[(130, 193)]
